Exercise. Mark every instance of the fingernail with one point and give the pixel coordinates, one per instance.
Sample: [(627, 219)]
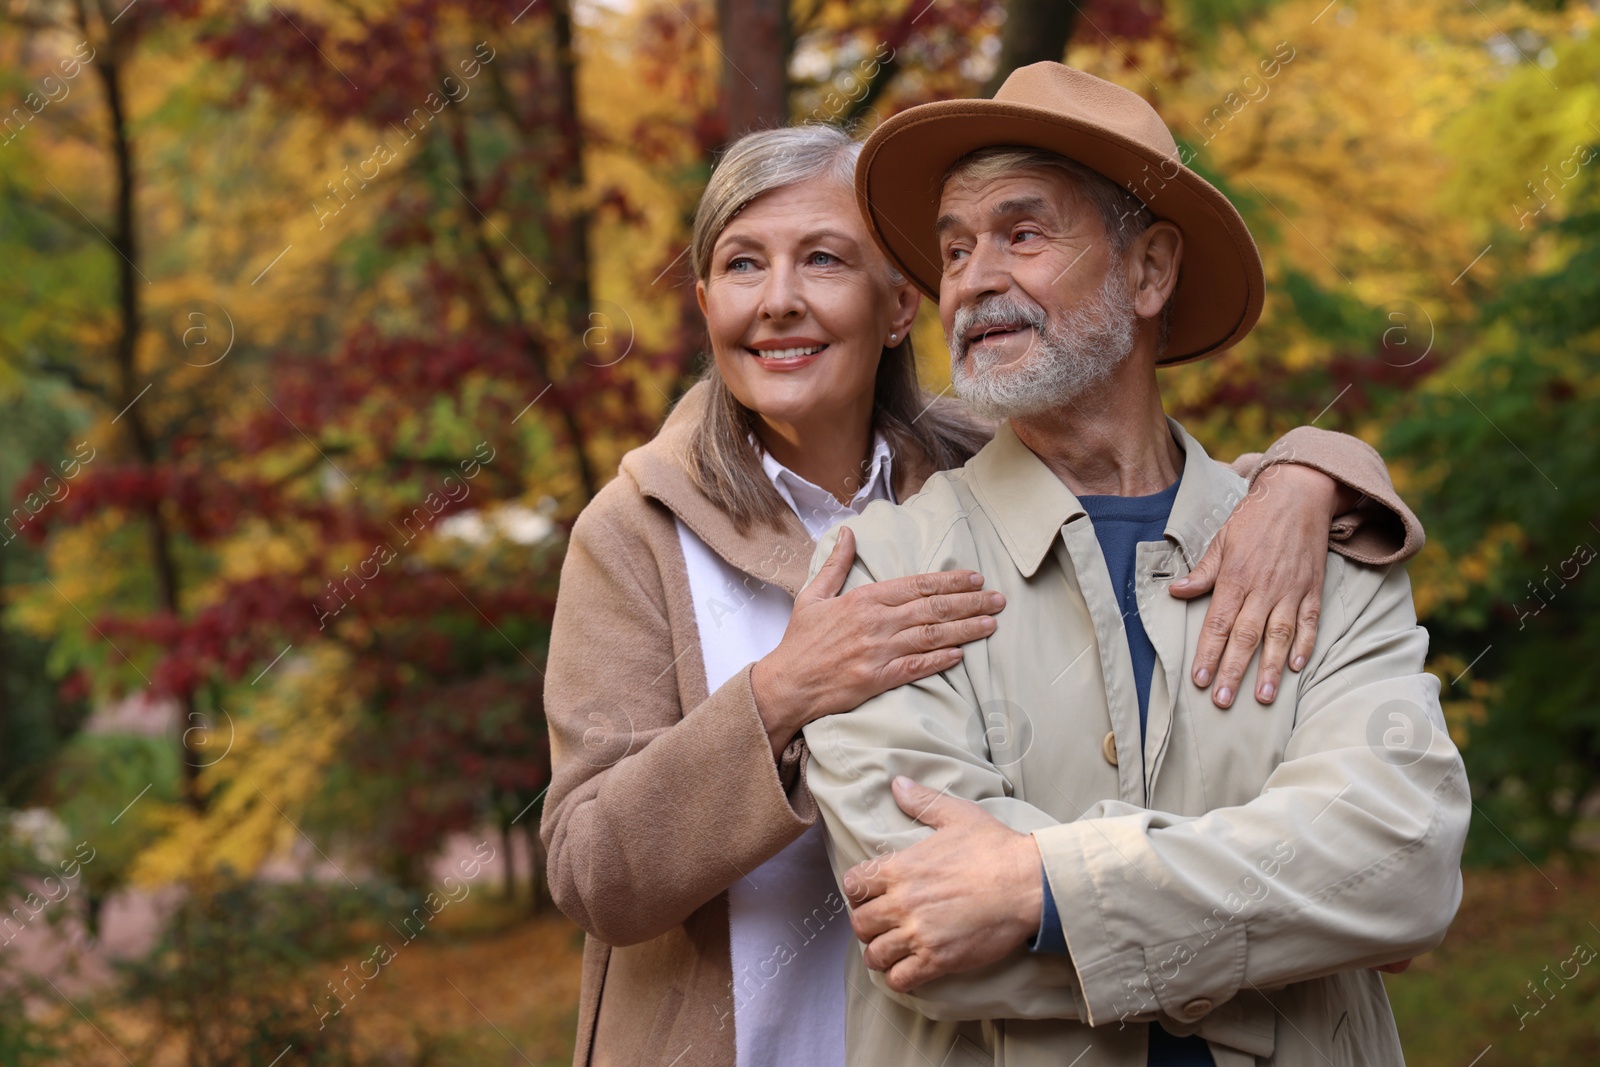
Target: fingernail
[(1268, 691), (903, 782), (1299, 661), (977, 580), (1202, 677), (1224, 696), (995, 600)]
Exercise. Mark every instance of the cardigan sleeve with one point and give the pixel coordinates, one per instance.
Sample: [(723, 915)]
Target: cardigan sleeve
[(654, 809), (1380, 529)]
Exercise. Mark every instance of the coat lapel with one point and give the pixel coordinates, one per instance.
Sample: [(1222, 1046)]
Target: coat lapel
[(780, 555)]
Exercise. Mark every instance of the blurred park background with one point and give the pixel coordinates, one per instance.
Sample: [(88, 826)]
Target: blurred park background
[(320, 320)]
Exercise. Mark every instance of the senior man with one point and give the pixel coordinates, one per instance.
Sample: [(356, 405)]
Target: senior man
[(1121, 872)]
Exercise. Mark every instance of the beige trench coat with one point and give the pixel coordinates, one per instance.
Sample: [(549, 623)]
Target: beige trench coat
[(1236, 875), (663, 792)]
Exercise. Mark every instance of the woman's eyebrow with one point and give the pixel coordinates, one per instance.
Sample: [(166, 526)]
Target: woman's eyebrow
[(744, 240), (818, 234), (740, 239)]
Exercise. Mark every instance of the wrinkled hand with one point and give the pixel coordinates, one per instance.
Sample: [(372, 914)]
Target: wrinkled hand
[(1266, 565), (840, 650), (962, 898)]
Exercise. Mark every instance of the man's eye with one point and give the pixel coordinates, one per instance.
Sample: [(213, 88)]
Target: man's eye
[(951, 254), (1023, 235)]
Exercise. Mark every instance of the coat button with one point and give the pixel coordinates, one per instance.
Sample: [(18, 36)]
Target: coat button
[(1196, 1008), (1109, 748)]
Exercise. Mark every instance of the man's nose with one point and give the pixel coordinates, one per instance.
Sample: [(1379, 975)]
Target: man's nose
[(985, 274)]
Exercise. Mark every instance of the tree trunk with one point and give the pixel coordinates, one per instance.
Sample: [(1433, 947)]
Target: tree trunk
[(510, 887), (124, 238), (756, 42), (1035, 31), (571, 236), (538, 893)]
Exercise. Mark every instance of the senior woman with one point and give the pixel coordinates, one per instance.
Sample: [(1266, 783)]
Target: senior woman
[(686, 655)]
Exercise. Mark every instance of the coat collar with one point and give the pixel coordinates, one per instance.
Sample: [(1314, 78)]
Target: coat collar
[(1029, 505), (781, 556)]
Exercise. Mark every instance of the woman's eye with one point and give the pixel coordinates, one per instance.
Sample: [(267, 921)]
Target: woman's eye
[(741, 265), (823, 259)]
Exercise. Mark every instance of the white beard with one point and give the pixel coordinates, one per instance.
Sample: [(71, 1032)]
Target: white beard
[(1062, 365)]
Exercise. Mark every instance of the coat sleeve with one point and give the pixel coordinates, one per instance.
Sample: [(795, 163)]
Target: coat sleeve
[(1348, 858), (1381, 529), (653, 809)]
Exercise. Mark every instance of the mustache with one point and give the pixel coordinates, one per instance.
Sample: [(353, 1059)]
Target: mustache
[(994, 312)]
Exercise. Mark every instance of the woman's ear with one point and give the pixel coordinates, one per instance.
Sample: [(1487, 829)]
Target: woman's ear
[(700, 294), (906, 301)]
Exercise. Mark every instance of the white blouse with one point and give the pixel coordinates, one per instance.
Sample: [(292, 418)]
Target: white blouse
[(788, 927)]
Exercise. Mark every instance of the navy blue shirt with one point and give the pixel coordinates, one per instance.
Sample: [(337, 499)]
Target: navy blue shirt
[(1121, 523)]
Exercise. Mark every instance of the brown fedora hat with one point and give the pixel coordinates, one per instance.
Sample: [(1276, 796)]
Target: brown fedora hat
[(1108, 129)]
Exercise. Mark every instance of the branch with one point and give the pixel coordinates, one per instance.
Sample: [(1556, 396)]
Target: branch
[(880, 81), (70, 374)]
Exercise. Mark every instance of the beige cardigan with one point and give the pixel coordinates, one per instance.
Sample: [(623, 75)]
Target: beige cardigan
[(664, 794)]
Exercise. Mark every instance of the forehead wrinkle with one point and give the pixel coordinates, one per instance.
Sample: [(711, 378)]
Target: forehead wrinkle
[(1011, 207)]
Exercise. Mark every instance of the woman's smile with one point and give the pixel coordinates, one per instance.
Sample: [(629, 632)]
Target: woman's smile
[(786, 353)]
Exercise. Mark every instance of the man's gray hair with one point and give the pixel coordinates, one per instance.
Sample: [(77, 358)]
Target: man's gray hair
[(1122, 215)]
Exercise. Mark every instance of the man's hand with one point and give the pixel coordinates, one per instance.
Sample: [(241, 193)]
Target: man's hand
[(963, 898), (1267, 564)]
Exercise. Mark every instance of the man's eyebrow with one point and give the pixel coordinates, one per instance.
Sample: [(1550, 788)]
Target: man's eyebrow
[(1022, 205)]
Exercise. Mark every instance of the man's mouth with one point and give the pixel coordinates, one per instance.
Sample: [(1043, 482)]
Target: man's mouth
[(978, 335)]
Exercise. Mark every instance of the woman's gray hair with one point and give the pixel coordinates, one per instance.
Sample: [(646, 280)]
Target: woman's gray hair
[(720, 459), (762, 162)]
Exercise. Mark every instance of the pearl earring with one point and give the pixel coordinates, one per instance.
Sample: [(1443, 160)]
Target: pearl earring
[(893, 337)]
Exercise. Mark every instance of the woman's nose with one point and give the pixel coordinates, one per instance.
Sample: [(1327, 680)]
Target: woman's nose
[(781, 297)]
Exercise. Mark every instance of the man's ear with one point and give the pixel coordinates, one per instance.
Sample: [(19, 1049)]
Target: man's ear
[(1156, 255), (700, 294)]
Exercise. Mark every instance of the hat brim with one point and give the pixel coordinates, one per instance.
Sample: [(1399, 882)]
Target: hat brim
[(1220, 282)]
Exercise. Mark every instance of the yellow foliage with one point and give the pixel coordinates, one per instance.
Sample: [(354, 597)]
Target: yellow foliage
[(1438, 579), (281, 747)]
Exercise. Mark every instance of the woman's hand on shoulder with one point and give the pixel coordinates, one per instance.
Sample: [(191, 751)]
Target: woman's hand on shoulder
[(1266, 567), (841, 650)]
